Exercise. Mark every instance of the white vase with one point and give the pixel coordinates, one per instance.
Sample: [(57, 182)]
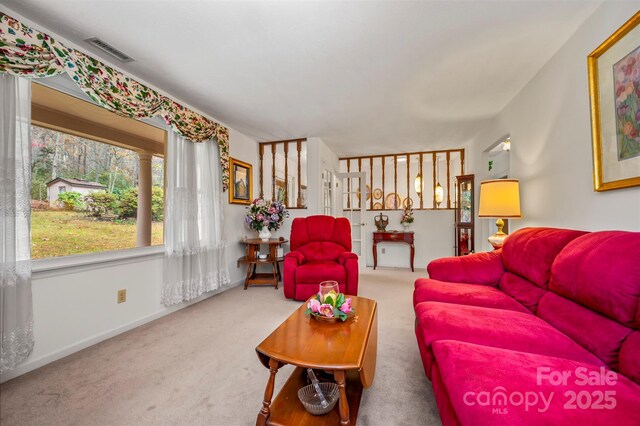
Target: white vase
[(264, 234), (405, 226)]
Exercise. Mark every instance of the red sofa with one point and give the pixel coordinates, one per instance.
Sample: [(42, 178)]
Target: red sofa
[(320, 251), (544, 331)]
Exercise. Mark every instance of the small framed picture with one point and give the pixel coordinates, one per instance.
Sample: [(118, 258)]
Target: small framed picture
[(241, 188), (614, 89)]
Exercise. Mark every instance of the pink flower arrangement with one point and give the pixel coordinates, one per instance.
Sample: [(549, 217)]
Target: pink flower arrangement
[(266, 214), (407, 215), (333, 305)]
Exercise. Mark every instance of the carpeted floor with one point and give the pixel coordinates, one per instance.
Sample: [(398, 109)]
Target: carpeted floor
[(198, 367)]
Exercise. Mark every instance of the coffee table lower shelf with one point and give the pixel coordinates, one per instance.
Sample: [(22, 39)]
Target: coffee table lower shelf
[(287, 409)]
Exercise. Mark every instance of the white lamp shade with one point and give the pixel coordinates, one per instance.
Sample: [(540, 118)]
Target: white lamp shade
[(500, 198)]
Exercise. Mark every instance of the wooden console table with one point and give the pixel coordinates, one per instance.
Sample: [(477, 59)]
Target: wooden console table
[(252, 261), (392, 237)]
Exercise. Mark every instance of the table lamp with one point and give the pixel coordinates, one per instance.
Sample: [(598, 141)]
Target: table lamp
[(499, 198)]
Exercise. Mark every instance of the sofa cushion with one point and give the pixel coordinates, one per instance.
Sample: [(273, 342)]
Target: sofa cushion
[(601, 270), (428, 290), (476, 268), (321, 238), (524, 291), (443, 401), (320, 251), (598, 334), (315, 272), (530, 252), (425, 351), (495, 327), (630, 357), (488, 385)]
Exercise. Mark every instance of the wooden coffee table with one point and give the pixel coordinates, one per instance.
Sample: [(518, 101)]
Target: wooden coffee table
[(346, 349)]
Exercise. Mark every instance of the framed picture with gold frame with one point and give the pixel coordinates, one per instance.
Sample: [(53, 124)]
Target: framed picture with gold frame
[(241, 188), (614, 78)]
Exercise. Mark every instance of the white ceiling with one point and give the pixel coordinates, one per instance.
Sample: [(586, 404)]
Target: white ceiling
[(366, 77)]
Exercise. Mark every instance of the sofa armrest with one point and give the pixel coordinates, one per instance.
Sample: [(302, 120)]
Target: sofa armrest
[(344, 256), (295, 255), (476, 268)]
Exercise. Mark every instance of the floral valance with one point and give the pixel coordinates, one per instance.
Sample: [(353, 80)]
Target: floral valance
[(26, 52)]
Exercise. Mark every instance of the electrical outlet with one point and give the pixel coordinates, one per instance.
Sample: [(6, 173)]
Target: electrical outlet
[(383, 250), (122, 296)]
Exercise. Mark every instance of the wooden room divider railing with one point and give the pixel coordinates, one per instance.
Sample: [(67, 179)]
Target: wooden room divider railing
[(376, 165), (294, 197)]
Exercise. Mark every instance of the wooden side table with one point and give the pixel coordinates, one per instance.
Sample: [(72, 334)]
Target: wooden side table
[(252, 248), (393, 237)]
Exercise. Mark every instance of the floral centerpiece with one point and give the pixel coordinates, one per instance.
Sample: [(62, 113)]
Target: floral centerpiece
[(331, 305), (264, 216), (407, 216)]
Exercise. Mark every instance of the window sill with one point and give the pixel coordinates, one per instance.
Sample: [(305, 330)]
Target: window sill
[(78, 262)]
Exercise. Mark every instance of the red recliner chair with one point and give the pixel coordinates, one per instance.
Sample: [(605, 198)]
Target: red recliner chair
[(320, 251)]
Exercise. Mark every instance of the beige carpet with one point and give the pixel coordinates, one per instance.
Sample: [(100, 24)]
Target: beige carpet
[(198, 367)]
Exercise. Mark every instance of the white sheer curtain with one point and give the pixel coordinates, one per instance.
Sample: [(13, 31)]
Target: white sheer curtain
[(16, 310), (195, 258)]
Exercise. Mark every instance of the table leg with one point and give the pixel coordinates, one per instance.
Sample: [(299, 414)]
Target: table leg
[(265, 411), (274, 271), (375, 255), (246, 279), (413, 252), (278, 268), (340, 377)]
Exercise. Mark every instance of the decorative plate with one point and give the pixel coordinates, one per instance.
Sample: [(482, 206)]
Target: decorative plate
[(377, 206), (392, 201), (408, 201), (377, 194), (368, 193)]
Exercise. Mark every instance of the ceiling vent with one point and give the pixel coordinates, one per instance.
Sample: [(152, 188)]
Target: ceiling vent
[(106, 47)]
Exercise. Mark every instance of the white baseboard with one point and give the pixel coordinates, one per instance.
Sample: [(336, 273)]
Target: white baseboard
[(32, 364)]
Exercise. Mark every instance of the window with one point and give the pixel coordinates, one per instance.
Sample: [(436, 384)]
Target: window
[(96, 210), (86, 163), (283, 172)]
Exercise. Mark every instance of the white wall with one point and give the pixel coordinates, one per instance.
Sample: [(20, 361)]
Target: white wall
[(550, 128), (433, 238), (245, 149)]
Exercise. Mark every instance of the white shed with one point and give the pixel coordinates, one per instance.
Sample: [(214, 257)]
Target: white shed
[(58, 185)]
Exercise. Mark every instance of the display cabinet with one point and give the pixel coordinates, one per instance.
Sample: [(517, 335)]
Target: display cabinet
[(464, 225)]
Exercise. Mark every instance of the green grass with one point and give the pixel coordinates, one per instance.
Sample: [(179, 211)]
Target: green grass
[(62, 233)]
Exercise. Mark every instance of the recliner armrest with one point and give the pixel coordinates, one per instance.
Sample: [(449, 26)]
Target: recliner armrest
[(476, 268), (344, 256), (296, 255)]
